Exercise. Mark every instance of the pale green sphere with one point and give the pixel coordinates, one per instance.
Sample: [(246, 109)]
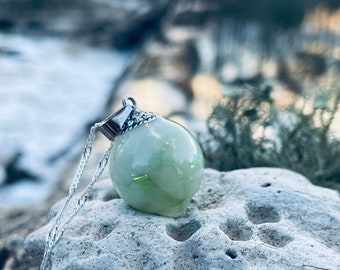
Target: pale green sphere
[(157, 167)]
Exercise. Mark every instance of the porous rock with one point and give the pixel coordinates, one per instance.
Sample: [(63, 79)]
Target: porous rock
[(261, 218)]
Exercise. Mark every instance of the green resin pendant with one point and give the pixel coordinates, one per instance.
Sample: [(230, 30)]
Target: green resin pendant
[(156, 165)]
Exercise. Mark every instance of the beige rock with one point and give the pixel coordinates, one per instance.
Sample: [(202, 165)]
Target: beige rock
[(247, 219)]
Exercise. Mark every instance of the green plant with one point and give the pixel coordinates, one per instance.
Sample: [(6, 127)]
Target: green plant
[(248, 130)]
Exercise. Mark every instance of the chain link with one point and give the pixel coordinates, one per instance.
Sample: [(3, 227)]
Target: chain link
[(58, 228)]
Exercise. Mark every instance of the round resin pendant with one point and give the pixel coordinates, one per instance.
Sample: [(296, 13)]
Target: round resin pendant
[(156, 166)]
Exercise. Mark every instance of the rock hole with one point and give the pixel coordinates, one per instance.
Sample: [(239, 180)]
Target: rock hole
[(237, 230), (231, 253), (274, 237), (103, 231), (279, 191), (266, 185), (184, 231), (195, 256), (258, 214)]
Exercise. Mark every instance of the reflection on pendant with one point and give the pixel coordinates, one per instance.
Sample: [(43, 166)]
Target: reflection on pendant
[(157, 167), (140, 177)]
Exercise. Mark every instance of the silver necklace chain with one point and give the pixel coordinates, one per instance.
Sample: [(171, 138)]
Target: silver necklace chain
[(58, 228), (125, 119)]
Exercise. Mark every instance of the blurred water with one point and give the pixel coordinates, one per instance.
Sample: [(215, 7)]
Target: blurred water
[(50, 90)]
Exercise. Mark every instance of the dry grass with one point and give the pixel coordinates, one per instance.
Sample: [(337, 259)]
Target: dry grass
[(248, 130)]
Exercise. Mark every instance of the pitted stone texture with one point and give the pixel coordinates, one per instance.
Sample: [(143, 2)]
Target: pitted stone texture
[(247, 219)]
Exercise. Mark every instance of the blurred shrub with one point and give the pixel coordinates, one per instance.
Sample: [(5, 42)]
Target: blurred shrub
[(248, 130)]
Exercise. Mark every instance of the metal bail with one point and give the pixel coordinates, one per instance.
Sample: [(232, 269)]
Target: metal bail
[(126, 118), (112, 126)]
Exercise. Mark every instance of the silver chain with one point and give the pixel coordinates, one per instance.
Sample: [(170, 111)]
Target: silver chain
[(58, 228), (125, 119)]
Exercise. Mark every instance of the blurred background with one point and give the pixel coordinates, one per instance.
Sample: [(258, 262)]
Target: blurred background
[(65, 65)]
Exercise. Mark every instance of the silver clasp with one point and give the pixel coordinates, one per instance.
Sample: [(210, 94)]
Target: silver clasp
[(112, 126)]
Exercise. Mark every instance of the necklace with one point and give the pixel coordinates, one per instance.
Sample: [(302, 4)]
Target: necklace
[(156, 166)]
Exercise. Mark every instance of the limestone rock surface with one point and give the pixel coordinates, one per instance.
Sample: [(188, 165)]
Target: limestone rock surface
[(261, 218)]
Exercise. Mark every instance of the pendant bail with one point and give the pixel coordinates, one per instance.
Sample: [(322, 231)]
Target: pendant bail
[(112, 126), (126, 118)]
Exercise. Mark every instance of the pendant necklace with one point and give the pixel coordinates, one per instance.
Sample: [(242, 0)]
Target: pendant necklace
[(155, 165)]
